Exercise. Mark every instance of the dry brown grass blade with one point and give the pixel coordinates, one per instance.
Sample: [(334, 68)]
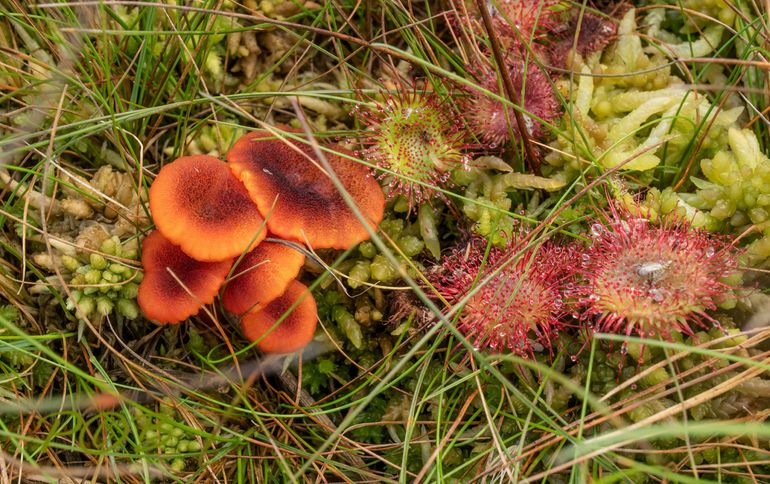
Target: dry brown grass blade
[(14, 470), (622, 407)]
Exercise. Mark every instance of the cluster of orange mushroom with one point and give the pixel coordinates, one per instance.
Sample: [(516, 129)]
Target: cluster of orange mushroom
[(212, 218)]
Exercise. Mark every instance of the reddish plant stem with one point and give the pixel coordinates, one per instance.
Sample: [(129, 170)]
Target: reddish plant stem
[(510, 90)]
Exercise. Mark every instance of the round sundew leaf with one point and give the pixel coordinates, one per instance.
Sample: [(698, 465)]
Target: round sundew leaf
[(298, 199), (294, 332), (261, 276), (161, 296), (198, 204)]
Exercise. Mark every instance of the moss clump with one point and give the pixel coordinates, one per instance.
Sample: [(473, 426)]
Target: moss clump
[(693, 374), (102, 285), (369, 266), (212, 139), (736, 191), (636, 116), (735, 194), (169, 441), (489, 202)]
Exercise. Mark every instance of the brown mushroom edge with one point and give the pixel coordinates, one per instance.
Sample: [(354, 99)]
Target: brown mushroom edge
[(163, 297), (294, 332), (169, 274), (260, 277)]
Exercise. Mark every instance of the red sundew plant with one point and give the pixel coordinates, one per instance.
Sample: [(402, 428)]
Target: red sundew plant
[(650, 280), (493, 122), (582, 34), (534, 19), (417, 139), (515, 306)]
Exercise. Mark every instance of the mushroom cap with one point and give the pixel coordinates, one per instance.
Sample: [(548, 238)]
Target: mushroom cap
[(198, 204), (161, 297), (294, 332), (261, 276), (298, 199)]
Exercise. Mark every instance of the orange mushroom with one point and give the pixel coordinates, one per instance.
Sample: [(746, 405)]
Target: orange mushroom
[(261, 276), (199, 205), (298, 199), (169, 274), (291, 334)]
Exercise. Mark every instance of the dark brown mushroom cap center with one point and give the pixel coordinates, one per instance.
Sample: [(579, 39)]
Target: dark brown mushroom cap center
[(297, 196), (298, 174), (213, 195)]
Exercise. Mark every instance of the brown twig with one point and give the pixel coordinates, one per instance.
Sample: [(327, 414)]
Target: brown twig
[(510, 90)]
